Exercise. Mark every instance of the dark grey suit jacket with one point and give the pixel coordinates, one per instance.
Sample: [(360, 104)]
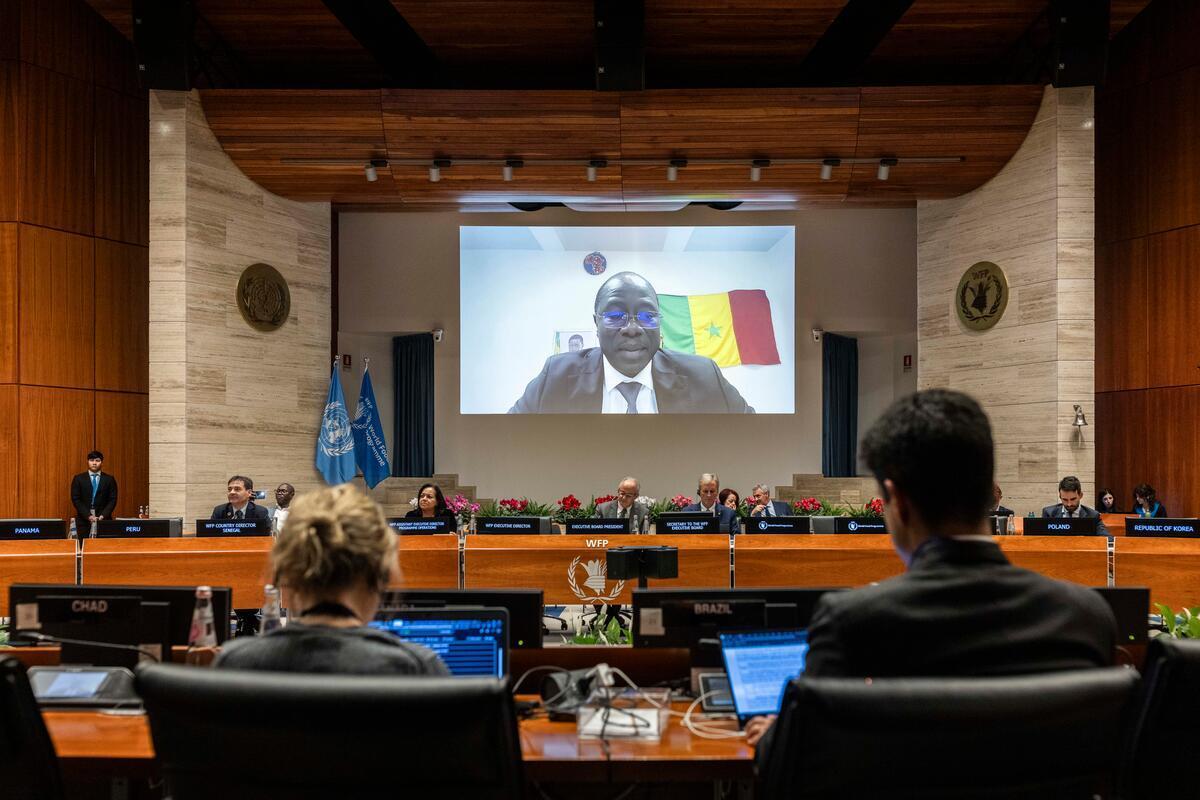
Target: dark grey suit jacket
[(780, 508), (639, 513), (1057, 510), (253, 511), (572, 383)]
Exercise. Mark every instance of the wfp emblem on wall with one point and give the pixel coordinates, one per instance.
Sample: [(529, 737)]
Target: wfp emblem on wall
[(595, 581), (337, 437), (982, 296), (263, 297)]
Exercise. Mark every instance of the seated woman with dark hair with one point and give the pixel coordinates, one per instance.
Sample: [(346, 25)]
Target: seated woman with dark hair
[(431, 503), (1106, 502), (729, 498), (332, 560), (1145, 502)]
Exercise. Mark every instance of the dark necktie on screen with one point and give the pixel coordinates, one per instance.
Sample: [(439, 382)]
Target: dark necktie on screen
[(95, 486), (238, 515), (629, 390)]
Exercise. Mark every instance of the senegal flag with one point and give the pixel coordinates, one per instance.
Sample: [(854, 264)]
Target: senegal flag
[(731, 328)]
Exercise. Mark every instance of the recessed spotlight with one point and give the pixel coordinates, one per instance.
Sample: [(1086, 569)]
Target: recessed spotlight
[(594, 165), (507, 170), (673, 168), (756, 168), (885, 168), (827, 167)]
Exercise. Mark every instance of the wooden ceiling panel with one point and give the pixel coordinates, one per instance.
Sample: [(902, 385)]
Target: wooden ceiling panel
[(475, 183), (501, 124), (761, 123), (727, 182), (959, 32)]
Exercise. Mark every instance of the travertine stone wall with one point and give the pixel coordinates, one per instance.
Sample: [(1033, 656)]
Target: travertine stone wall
[(1034, 219), (224, 398)]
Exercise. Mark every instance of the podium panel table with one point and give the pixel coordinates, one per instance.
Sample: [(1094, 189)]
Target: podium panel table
[(1079, 559), (814, 559), (1170, 567), (428, 562), (35, 561), (570, 569)]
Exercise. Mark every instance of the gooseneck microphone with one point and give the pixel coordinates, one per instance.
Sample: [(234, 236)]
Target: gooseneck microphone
[(48, 639)]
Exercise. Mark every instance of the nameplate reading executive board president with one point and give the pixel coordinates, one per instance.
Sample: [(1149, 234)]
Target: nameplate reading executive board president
[(629, 373)]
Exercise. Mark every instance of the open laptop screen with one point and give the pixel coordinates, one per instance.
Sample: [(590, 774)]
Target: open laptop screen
[(759, 665), (469, 641)]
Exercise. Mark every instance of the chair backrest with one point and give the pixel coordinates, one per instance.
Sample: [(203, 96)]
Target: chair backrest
[(1166, 732), (28, 763), (1049, 735), (237, 733)]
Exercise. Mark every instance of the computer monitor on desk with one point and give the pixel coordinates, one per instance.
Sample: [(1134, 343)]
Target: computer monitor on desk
[(19, 529), (470, 641), (1061, 526), (233, 527), (420, 525), (180, 602), (104, 630), (686, 522), (525, 607)]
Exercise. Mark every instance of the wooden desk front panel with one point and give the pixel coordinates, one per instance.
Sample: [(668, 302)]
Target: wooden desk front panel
[(550, 563), (814, 560), (35, 561), (1170, 567), (238, 562), (428, 562), (1080, 559)]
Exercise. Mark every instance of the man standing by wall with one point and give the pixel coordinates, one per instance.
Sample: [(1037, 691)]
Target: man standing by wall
[(93, 493)]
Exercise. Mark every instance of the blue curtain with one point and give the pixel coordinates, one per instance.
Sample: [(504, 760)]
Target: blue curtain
[(413, 359), (839, 430)]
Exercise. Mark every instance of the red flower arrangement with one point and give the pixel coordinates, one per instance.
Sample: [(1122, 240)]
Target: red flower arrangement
[(807, 506), (570, 503), (513, 505), (875, 507)]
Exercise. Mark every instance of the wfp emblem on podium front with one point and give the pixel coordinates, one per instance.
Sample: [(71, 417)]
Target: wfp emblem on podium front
[(982, 296), (337, 437), (595, 581)]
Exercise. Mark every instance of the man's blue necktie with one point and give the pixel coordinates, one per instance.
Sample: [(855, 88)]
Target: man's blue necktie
[(95, 486)]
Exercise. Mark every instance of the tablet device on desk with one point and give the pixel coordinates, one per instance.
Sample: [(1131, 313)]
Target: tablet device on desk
[(1061, 526), (83, 687), (759, 665), (233, 527), (470, 641), (410, 525)]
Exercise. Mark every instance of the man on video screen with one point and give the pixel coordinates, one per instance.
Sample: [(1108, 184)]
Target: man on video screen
[(629, 373)]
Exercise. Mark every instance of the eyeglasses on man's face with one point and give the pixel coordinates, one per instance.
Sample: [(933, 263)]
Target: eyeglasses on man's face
[(619, 319)]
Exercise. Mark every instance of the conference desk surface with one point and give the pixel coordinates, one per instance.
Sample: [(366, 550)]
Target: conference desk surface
[(94, 743)]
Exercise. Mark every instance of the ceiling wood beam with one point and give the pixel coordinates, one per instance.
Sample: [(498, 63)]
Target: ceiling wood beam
[(838, 56), (391, 41)]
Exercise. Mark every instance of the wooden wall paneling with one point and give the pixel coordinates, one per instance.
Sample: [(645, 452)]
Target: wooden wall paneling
[(56, 296), (8, 302), (57, 431), (1123, 456), (58, 35), (1177, 412), (122, 340), (10, 30), (122, 168), (1171, 35), (1123, 353), (1122, 180), (115, 62), (1172, 264), (10, 424), (1173, 153), (57, 152), (10, 135), (123, 434)]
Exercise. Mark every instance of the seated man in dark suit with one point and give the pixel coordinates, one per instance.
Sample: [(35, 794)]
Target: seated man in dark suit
[(93, 493), (629, 373), (764, 505), (1070, 495), (708, 488), (627, 506), (961, 609), (240, 505), (999, 510)]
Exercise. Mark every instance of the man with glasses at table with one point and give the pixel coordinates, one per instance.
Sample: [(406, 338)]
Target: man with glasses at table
[(629, 373)]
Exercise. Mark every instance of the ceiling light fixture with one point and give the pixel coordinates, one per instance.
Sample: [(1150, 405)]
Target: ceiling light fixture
[(593, 165), (827, 166), (509, 166), (756, 168), (673, 168), (435, 171), (885, 168)]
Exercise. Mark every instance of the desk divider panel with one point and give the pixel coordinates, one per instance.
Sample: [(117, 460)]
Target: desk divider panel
[(35, 561), (1170, 567), (1080, 559), (814, 560), (428, 562)]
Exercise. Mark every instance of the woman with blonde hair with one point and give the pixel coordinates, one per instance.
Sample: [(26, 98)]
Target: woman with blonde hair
[(332, 560)]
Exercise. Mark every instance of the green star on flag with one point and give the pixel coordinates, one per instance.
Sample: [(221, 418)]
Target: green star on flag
[(713, 330)]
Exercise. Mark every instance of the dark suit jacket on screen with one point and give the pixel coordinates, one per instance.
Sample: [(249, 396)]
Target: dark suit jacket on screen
[(780, 508), (225, 511), (1001, 511), (572, 383), (728, 517), (81, 498), (1057, 510)]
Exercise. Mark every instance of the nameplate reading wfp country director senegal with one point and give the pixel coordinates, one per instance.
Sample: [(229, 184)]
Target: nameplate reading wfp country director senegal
[(982, 296)]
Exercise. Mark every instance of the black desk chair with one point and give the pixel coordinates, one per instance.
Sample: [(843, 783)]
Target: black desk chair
[(28, 763), (243, 734), (1040, 736), (1166, 734)]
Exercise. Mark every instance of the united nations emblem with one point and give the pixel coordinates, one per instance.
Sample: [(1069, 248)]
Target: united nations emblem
[(337, 437), (596, 581), (982, 296), (595, 263), (263, 297)]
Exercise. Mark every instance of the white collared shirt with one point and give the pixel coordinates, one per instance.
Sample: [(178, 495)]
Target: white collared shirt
[(710, 510), (614, 401)]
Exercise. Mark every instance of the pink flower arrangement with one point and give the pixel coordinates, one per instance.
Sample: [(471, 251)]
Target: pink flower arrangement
[(460, 505), (681, 501), (807, 506)]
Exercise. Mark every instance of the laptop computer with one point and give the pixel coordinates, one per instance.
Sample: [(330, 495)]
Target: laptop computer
[(470, 641), (759, 665)]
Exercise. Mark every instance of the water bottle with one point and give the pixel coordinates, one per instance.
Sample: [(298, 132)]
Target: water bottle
[(203, 633), (73, 533), (92, 531), (271, 617), (472, 528)]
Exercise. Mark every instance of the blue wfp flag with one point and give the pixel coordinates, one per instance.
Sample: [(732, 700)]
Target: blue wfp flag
[(335, 442), (370, 448)]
